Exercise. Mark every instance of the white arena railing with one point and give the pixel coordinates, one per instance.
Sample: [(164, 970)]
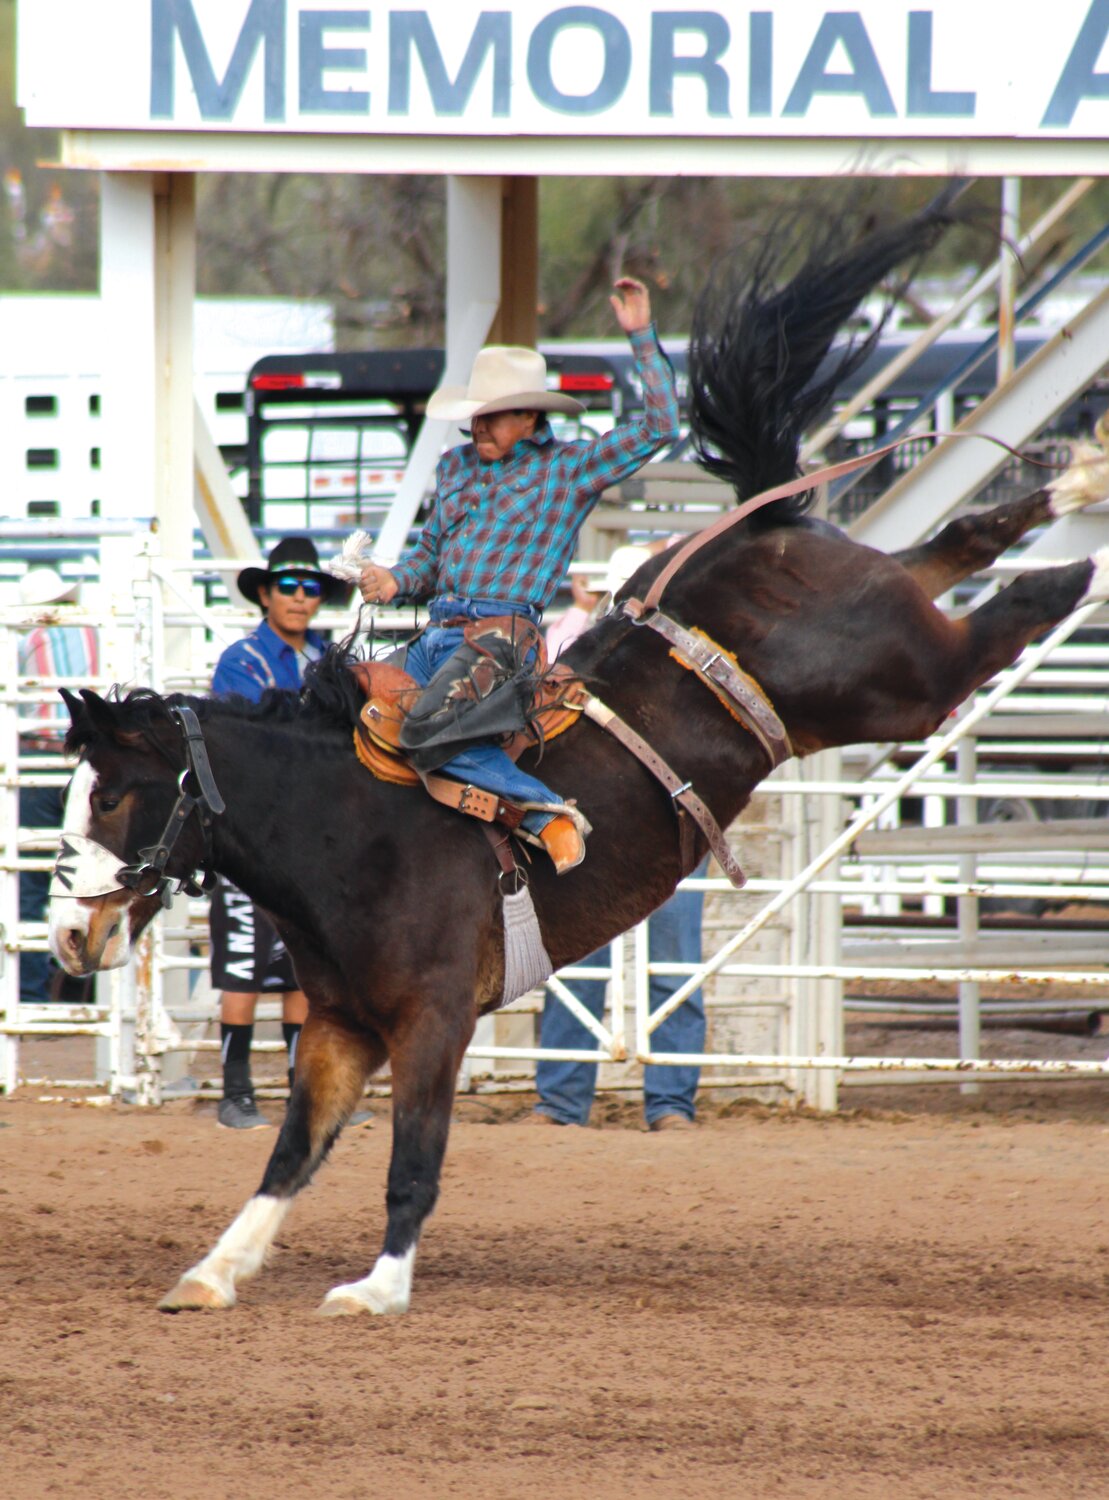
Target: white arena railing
[(823, 838)]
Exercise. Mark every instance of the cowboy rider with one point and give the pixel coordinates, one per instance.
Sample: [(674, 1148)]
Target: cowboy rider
[(504, 521)]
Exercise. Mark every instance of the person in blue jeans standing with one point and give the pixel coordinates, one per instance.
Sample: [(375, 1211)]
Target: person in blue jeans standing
[(566, 1089)]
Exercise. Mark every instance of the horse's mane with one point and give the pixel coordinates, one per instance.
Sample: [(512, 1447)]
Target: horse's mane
[(759, 342), (330, 698)]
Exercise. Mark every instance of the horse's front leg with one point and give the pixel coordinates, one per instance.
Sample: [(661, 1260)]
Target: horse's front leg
[(424, 1062), (333, 1065)]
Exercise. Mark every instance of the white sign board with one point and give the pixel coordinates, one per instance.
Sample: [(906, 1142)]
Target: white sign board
[(776, 68)]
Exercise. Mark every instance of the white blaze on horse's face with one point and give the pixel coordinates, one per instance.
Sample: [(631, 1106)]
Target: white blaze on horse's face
[(88, 933)]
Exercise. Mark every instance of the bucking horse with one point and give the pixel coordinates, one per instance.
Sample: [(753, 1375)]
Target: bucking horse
[(391, 905)]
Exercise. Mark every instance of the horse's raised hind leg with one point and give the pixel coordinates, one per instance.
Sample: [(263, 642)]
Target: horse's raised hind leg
[(424, 1065), (992, 636), (972, 542), (332, 1068)]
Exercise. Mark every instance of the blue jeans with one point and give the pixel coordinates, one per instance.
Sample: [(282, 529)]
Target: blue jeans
[(485, 765), (566, 1089)]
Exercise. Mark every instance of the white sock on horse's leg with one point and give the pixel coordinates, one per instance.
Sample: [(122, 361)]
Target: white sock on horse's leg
[(239, 1253), (387, 1289)]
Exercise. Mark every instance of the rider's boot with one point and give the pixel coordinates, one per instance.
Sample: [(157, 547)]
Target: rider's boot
[(564, 842)]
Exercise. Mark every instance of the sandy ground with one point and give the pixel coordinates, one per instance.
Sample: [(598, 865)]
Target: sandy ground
[(908, 1304)]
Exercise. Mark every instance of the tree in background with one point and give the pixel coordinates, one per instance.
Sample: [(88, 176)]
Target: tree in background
[(49, 220)]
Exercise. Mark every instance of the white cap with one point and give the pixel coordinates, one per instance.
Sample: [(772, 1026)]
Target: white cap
[(46, 586), (619, 568)]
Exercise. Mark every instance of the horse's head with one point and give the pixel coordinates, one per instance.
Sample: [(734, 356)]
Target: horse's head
[(131, 829)]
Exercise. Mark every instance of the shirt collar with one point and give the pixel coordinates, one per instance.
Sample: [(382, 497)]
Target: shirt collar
[(273, 644)]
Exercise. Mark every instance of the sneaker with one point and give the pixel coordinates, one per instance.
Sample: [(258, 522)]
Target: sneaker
[(241, 1113)]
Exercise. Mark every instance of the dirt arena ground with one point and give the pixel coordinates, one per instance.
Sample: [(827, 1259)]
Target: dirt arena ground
[(907, 1304)]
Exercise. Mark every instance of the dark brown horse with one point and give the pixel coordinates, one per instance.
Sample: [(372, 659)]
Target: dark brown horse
[(389, 903)]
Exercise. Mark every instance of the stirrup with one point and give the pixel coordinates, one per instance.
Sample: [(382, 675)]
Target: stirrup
[(564, 842)]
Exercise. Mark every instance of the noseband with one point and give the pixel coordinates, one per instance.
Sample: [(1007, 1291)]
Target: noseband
[(85, 868)]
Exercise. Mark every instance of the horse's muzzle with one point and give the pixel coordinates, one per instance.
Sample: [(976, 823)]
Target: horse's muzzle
[(91, 934)]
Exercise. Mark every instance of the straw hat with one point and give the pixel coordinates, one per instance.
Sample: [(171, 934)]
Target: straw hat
[(504, 377), (297, 555), (46, 586)]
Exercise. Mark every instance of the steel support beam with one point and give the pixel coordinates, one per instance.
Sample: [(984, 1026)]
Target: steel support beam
[(1066, 365)]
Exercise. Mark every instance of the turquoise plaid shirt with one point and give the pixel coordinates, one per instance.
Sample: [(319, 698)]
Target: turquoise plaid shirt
[(507, 530)]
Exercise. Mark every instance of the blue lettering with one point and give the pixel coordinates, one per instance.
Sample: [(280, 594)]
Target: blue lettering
[(315, 58), (617, 68), (666, 65), (760, 63), (1078, 80), (865, 77), (217, 99), (922, 99), (410, 31)]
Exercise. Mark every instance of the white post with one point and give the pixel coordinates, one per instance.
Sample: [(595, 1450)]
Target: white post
[(1007, 283), (473, 297), (966, 813), (128, 403)]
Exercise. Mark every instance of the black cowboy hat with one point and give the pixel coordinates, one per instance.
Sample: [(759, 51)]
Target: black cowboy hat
[(296, 555)]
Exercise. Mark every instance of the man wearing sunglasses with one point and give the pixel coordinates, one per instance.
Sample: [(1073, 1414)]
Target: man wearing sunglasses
[(248, 957)]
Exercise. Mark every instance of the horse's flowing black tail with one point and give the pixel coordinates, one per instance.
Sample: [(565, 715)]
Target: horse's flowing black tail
[(756, 345)]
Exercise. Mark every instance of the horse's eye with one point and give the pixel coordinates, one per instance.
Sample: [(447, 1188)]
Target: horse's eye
[(107, 804)]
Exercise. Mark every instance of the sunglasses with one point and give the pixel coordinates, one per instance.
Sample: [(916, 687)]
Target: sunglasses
[(288, 585)]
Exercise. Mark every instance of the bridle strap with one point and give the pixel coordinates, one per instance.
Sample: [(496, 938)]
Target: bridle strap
[(147, 877), (196, 759)]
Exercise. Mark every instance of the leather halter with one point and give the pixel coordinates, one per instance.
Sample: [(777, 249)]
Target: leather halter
[(196, 792)]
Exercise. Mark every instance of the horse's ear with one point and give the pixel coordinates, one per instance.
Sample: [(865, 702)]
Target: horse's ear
[(95, 709), (78, 714)]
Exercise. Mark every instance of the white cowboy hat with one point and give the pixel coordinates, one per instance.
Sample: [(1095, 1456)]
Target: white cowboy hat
[(46, 586), (505, 377), (619, 568)]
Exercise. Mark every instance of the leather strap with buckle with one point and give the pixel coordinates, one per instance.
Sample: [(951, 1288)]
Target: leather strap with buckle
[(473, 800), (681, 792), (715, 666)]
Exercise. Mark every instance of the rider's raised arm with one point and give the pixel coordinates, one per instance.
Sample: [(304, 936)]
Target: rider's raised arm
[(606, 460)]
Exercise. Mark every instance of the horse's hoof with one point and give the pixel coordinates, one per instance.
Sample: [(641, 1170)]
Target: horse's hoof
[(193, 1296), (346, 1302), (341, 1307)]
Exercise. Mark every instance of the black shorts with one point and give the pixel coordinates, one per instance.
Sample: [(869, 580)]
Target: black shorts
[(247, 954)]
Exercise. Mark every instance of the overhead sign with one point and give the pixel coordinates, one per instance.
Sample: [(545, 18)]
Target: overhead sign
[(788, 68)]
